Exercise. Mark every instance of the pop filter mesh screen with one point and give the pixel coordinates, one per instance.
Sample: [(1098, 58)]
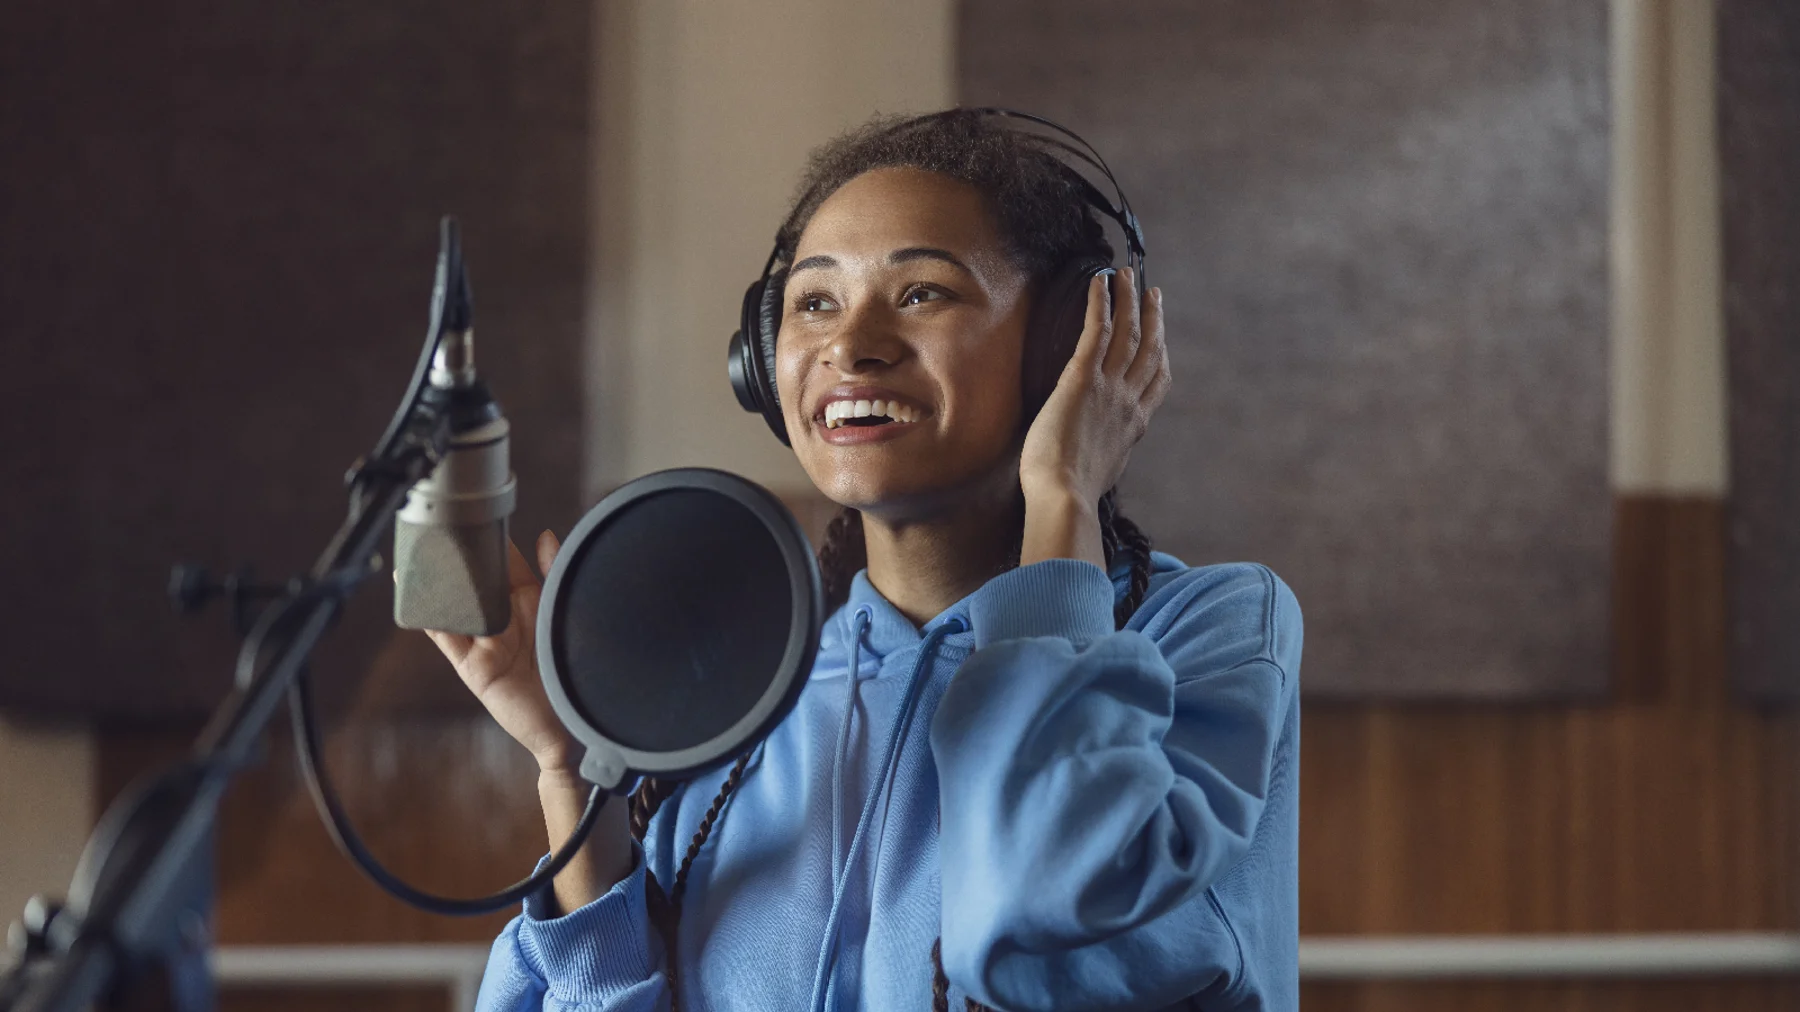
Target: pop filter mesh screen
[(673, 619)]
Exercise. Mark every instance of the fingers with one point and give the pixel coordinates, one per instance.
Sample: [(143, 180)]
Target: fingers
[(1126, 329), (1151, 364), (547, 547), (526, 596), (455, 646), (1156, 391), (518, 571), (1096, 330)]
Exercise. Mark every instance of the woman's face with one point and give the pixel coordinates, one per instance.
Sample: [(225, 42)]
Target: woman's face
[(898, 359)]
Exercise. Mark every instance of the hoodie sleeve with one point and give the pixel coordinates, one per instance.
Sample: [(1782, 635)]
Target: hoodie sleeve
[(604, 956), (1095, 784)]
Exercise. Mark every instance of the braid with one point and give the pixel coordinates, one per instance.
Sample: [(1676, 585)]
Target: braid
[(841, 556), (1119, 534), (649, 796), (665, 908), (940, 984), (1109, 537), (1138, 543), (732, 780), (645, 802)]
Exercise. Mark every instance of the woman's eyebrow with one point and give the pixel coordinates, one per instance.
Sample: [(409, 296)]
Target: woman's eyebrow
[(909, 253), (811, 262), (900, 256)]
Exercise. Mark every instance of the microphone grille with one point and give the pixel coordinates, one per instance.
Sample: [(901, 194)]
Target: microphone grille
[(451, 579)]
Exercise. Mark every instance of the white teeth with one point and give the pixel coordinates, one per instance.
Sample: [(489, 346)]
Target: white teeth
[(838, 412)]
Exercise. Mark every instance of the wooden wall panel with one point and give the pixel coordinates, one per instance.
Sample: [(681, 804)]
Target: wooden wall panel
[(1670, 806), (1737, 995), (1381, 228), (449, 805), (1759, 159), (333, 999)]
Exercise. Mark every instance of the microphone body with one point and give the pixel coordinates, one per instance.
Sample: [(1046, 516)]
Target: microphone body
[(451, 537)]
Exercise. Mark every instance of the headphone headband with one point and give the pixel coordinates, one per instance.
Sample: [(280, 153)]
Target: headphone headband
[(1120, 212)]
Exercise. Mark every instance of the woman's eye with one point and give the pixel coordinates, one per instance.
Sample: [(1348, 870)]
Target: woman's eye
[(915, 296), (816, 304)]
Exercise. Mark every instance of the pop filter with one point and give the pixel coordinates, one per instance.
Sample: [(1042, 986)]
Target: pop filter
[(678, 624)]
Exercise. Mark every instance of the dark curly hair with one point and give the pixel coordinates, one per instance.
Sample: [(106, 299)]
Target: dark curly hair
[(1038, 203), (1043, 217)]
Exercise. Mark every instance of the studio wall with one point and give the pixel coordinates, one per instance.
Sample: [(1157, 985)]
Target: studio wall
[(216, 255), (1759, 104), (1664, 805), (1381, 230)]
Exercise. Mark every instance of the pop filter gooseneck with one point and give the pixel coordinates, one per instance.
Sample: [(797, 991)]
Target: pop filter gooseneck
[(678, 624)]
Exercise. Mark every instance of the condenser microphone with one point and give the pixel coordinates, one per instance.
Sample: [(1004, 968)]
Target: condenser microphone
[(450, 539)]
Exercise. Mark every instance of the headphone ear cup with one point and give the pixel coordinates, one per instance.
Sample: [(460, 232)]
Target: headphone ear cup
[(1057, 318), (751, 357), (739, 363), (768, 325)]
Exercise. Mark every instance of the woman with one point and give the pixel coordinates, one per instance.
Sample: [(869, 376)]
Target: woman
[(1036, 765)]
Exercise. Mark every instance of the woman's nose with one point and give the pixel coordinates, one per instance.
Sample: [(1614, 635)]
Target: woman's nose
[(863, 342)]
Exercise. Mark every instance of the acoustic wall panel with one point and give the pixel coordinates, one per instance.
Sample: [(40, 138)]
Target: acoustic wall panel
[(1759, 149), (1381, 230), (217, 227)]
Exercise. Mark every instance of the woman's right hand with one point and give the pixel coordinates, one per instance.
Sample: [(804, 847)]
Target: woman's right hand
[(501, 670)]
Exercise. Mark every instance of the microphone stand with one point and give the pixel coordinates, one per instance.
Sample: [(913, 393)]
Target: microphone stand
[(142, 891)]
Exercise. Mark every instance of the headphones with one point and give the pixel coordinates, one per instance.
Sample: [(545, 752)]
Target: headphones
[(1060, 309)]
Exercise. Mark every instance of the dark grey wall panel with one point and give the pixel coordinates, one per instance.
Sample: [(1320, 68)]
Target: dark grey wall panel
[(1381, 228), (1759, 147), (217, 224)]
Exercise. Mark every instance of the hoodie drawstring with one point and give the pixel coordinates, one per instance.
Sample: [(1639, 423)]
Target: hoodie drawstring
[(858, 629), (828, 951)]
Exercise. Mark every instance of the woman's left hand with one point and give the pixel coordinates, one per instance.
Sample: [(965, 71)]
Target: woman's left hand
[(1077, 446)]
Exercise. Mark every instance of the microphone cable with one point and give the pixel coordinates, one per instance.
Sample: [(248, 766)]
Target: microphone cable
[(449, 272), (307, 743), (337, 823)]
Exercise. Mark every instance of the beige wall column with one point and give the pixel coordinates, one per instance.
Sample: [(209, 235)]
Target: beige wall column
[(46, 810), (706, 111), (1668, 338)]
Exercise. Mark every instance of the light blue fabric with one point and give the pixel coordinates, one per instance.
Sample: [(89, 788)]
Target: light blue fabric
[(1097, 819), (826, 975)]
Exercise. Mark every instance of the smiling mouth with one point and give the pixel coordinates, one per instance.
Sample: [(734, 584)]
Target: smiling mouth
[(868, 414)]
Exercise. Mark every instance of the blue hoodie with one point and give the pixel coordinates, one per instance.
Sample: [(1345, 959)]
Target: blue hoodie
[(1089, 818)]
